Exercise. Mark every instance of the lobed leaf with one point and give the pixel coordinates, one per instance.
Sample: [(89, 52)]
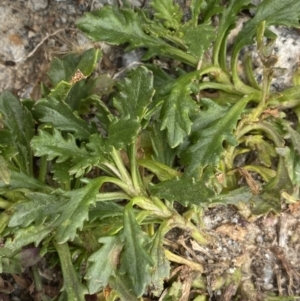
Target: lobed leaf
[(55, 146), (212, 133), (135, 93), (177, 108), (135, 260), (61, 116), (102, 263), (184, 191)]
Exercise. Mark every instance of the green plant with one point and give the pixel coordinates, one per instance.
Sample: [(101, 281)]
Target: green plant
[(96, 183)]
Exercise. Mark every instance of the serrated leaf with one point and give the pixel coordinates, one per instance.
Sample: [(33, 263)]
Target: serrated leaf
[(161, 269), (20, 180), (208, 148), (25, 236), (105, 209), (184, 191), (20, 127), (292, 162), (61, 116), (72, 285), (122, 132), (55, 146), (116, 26), (76, 210), (167, 11), (39, 207), (135, 93), (60, 171), (102, 263), (269, 198), (197, 39), (135, 261), (162, 151), (121, 285), (177, 108)]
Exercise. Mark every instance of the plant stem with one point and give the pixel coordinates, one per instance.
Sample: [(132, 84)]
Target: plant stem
[(191, 264), (111, 196), (121, 167), (135, 175), (43, 169)]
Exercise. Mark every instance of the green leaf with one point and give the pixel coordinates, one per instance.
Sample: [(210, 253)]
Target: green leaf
[(122, 132), (274, 12), (163, 172), (167, 11), (136, 92), (20, 180), (184, 191), (195, 8), (211, 134), (61, 90), (116, 26), (64, 69), (88, 61), (76, 210), (161, 269), (177, 108), (39, 208), (102, 263), (55, 146), (4, 171), (25, 236), (163, 153), (135, 261), (72, 285), (61, 116), (20, 125), (61, 172), (105, 209), (197, 39), (121, 285), (269, 198), (228, 18)]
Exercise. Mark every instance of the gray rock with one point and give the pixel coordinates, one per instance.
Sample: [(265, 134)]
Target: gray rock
[(37, 5)]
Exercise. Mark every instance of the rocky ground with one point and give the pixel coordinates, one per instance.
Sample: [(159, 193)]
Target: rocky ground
[(268, 248)]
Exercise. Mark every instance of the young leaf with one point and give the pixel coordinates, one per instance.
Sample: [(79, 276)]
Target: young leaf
[(184, 191), (102, 263), (122, 132), (135, 95), (212, 133), (177, 108), (55, 146), (274, 12), (61, 116), (228, 18), (135, 260), (167, 11), (197, 39)]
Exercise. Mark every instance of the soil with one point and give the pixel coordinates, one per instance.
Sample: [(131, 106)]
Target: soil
[(267, 248)]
